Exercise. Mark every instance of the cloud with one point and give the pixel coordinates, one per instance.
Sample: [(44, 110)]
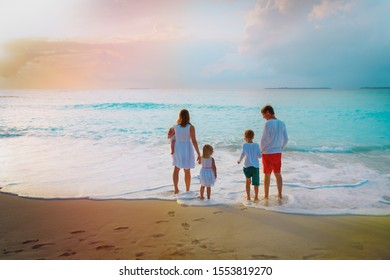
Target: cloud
[(328, 8), (308, 43), (42, 63), (174, 43), (117, 43), (87, 19)]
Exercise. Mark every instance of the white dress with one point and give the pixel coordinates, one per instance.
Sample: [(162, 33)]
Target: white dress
[(207, 177), (183, 156)]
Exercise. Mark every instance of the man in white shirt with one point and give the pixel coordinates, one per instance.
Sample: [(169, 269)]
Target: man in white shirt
[(272, 143)]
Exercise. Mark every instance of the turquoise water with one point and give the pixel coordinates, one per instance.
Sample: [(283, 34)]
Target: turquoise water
[(112, 144)]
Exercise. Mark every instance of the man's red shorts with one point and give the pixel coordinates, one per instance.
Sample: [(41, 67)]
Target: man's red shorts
[(272, 162)]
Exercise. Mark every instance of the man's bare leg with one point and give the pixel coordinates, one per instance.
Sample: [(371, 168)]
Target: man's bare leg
[(279, 184), (267, 180)]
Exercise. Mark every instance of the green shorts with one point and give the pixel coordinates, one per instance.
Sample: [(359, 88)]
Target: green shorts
[(252, 172)]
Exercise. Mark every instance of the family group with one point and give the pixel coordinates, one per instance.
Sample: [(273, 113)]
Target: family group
[(274, 139)]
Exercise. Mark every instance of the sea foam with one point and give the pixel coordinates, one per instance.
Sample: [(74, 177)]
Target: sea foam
[(113, 145)]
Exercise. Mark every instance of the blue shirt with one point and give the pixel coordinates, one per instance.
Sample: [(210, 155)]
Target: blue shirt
[(252, 153)]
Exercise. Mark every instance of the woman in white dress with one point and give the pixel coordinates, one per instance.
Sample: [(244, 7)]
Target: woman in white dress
[(184, 142)]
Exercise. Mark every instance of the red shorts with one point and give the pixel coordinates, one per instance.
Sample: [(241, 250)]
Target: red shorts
[(272, 162)]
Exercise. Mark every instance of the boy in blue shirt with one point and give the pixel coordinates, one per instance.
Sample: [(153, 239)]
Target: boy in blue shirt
[(251, 152)]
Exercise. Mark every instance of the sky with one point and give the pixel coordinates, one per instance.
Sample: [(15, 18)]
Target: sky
[(251, 44)]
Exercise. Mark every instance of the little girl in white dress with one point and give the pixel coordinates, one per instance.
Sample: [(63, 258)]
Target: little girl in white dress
[(208, 172)]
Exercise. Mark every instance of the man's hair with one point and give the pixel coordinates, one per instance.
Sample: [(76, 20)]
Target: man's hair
[(268, 108)]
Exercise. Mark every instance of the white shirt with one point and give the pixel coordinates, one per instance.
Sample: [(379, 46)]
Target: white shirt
[(274, 137)]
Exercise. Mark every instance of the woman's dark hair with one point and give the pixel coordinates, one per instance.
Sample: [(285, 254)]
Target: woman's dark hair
[(184, 118)]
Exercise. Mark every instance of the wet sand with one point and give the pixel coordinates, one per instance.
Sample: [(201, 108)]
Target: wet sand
[(152, 230)]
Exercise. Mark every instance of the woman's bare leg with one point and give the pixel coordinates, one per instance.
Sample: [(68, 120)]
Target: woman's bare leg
[(175, 178), (187, 178)]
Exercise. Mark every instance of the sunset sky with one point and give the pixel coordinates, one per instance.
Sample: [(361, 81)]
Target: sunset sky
[(194, 43)]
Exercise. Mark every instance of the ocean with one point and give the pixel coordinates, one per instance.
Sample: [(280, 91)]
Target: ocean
[(112, 144)]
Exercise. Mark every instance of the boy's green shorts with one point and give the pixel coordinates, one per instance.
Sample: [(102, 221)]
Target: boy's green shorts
[(252, 172)]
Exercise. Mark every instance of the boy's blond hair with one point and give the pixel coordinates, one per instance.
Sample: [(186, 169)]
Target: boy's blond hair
[(249, 134)]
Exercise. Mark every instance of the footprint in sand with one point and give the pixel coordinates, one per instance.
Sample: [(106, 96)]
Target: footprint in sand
[(186, 226), (105, 247), (199, 219), (68, 253), (30, 241), (264, 257), (162, 221), (158, 235), (41, 245), (77, 231), (199, 243), (172, 213), (5, 252), (217, 212), (310, 257), (173, 252), (121, 228)]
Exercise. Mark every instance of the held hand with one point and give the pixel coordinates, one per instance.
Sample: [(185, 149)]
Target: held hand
[(238, 161), (198, 159)]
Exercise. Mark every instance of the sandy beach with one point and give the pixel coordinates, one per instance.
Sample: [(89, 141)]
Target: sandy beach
[(151, 230)]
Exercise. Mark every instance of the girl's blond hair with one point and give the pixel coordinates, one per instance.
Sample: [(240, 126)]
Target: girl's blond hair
[(207, 151)]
